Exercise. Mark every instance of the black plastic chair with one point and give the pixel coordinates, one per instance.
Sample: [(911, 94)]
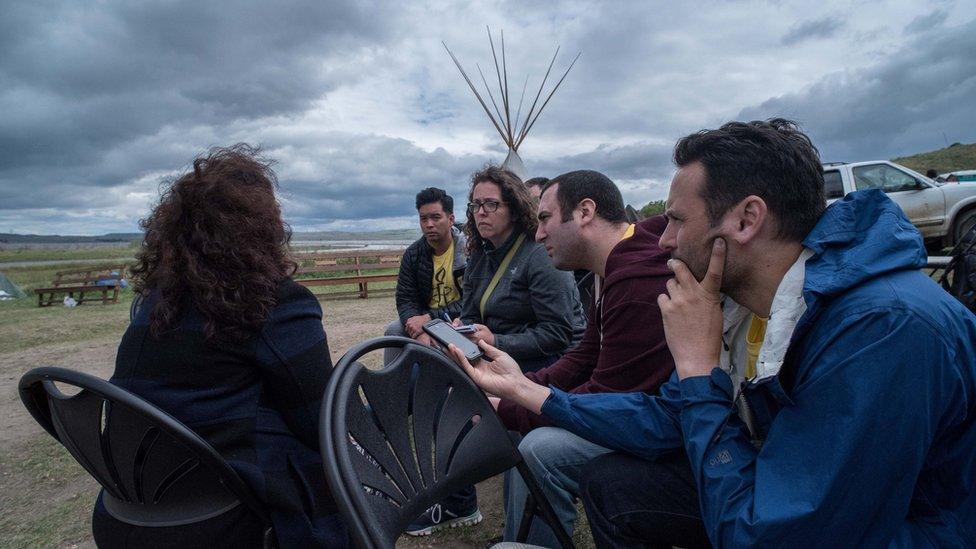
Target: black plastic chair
[(154, 471), (398, 440)]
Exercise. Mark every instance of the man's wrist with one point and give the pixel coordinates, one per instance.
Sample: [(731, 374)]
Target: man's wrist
[(530, 395), (695, 368)]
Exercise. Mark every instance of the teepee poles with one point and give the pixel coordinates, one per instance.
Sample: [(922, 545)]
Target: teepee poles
[(512, 131)]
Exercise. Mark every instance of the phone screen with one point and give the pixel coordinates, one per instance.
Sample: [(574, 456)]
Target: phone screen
[(445, 334)]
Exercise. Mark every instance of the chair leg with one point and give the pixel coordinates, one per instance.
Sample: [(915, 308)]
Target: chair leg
[(537, 501), (525, 523)]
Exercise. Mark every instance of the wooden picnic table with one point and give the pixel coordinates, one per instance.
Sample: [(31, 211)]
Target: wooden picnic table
[(101, 283)]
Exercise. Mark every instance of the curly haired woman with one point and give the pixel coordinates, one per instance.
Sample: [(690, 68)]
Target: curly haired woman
[(532, 311), (518, 301), (224, 340)]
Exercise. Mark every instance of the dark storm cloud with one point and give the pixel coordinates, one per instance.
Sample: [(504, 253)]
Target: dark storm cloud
[(368, 177), (375, 177), (927, 23), (359, 103), (824, 27), (77, 79), (902, 105), (632, 161)]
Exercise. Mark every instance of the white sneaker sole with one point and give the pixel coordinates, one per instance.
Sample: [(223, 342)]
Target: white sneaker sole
[(469, 520)]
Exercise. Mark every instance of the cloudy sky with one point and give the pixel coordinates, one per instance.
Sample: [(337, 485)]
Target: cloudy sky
[(101, 102)]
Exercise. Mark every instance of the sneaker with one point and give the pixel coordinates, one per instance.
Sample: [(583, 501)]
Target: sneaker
[(439, 517)]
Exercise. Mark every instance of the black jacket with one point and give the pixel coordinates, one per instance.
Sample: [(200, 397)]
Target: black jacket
[(257, 402), (414, 283), (534, 311)]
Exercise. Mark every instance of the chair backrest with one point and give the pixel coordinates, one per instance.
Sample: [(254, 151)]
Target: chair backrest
[(398, 440), (153, 469)]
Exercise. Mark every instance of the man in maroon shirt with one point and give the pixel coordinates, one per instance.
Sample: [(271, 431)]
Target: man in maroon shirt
[(583, 225)]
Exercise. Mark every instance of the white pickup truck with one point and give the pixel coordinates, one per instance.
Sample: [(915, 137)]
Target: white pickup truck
[(942, 212)]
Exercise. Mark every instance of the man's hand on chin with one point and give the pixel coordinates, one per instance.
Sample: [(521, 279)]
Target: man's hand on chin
[(692, 314)]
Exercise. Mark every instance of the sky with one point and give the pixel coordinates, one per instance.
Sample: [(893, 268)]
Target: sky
[(103, 103)]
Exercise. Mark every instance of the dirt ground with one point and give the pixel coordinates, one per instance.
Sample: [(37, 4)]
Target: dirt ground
[(46, 497)]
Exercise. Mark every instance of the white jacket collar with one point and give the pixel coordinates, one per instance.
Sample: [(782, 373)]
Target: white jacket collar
[(787, 308)]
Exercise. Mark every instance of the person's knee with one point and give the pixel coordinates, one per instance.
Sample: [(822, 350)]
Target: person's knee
[(541, 443), (594, 480), (394, 328)]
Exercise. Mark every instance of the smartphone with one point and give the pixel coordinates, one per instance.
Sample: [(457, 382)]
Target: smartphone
[(444, 333), (465, 329)]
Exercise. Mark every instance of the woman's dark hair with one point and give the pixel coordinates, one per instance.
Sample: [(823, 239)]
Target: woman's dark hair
[(216, 242), (770, 159), (521, 206)]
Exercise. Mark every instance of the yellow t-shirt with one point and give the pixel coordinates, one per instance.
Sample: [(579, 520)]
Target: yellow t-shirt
[(754, 341), (629, 232), (442, 284)]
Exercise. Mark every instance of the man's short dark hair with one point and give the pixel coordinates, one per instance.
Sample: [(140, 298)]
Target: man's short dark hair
[(575, 186), (770, 159), (433, 194), (537, 182), (931, 174)]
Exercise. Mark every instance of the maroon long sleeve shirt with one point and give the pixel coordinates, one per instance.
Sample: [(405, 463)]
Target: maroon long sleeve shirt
[(623, 348)]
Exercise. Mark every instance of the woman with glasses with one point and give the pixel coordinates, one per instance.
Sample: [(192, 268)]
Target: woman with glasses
[(518, 300), (223, 339)]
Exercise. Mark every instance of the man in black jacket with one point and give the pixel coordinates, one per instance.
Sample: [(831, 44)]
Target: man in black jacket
[(429, 283)]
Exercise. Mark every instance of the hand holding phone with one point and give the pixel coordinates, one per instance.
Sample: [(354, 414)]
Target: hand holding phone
[(445, 334)]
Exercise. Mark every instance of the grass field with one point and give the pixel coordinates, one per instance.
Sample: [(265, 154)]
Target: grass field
[(46, 497), (59, 254)]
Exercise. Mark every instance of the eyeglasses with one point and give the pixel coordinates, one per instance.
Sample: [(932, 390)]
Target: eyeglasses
[(490, 206)]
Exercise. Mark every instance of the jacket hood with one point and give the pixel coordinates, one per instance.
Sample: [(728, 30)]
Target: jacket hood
[(639, 255), (460, 247), (858, 238)]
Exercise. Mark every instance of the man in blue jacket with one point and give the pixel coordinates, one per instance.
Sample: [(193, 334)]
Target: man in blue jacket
[(824, 391)]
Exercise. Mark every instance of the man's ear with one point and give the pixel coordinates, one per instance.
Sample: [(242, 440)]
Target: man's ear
[(587, 210), (747, 220), (451, 217)]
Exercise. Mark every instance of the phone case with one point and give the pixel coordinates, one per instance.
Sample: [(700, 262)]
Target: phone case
[(445, 334)]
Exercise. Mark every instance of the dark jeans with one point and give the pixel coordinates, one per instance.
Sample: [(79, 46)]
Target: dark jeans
[(463, 501), (631, 502)]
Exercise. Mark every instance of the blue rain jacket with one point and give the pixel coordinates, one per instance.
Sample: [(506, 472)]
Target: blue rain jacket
[(870, 426)]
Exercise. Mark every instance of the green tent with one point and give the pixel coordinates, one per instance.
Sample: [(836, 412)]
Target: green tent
[(8, 290)]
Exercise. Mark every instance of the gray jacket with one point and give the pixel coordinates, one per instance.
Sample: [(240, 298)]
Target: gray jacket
[(534, 310)]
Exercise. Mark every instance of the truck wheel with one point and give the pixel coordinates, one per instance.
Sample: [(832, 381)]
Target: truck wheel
[(964, 223)]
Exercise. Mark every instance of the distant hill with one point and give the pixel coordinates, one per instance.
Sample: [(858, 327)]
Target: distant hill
[(958, 156), (67, 239), (392, 234), (396, 234)]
